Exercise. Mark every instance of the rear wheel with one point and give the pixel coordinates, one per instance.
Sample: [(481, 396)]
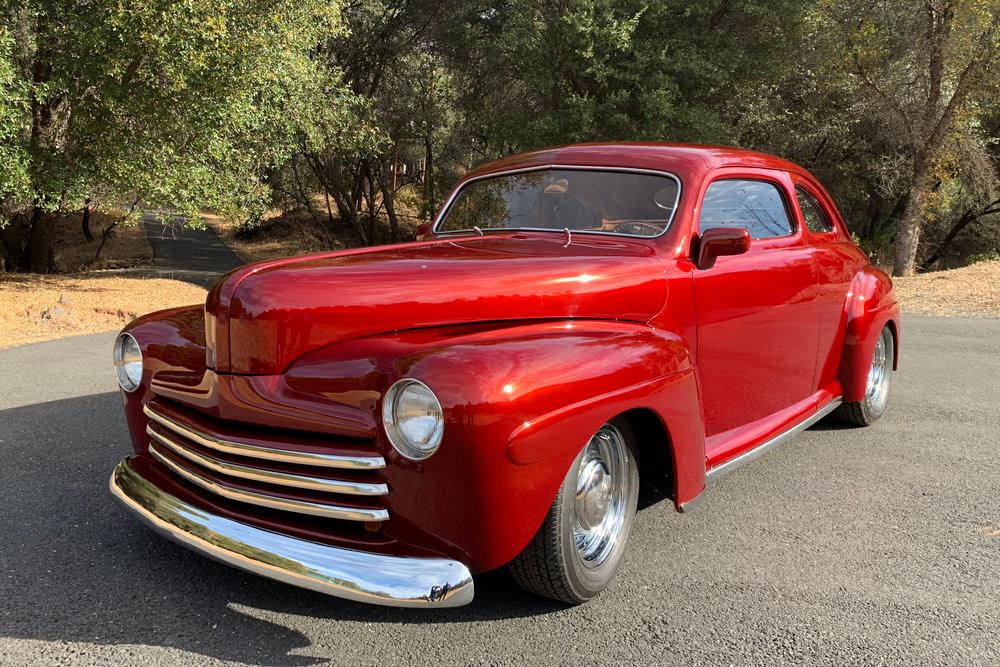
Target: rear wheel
[(577, 550), (871, 407)]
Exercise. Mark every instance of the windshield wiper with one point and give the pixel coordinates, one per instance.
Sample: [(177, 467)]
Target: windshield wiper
[(483, 231)]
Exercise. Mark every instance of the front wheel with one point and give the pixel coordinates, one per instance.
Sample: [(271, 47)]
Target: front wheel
[(577, 550), (871, 407)]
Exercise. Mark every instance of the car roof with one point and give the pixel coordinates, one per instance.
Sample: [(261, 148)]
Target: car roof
[(684, 159)]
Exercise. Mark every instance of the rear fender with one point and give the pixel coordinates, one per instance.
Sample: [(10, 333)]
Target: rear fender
[(870, 306)]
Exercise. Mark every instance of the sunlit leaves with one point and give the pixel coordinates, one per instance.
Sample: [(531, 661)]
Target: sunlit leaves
[(14, 125), (177, 102)]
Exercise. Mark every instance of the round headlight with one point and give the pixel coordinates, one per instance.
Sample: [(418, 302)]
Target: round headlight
[(128, 362), (413, 419)]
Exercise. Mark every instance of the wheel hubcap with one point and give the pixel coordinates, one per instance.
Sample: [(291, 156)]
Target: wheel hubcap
[(878, 375), (602, 491)]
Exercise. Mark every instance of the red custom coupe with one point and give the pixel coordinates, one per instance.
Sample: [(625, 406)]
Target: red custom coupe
[(378, 424)]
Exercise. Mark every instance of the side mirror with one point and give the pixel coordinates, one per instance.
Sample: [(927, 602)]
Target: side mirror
[(720, 241), (423, 230)]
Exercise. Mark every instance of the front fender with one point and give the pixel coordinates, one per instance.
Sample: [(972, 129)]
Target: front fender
[(870, 306), (520, 402)]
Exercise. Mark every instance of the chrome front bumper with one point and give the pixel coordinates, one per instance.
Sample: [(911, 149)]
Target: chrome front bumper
[(355, 575)]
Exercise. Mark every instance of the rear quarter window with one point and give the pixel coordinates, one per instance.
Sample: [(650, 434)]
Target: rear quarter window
[(816, 220)]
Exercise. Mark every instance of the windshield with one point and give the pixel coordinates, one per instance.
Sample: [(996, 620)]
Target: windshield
[(613, 202)]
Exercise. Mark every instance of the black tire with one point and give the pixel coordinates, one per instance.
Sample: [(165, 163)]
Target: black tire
[(866, 411), (552, 565)]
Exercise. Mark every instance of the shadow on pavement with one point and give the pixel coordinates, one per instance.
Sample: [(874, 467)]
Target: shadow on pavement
[(75, 567)]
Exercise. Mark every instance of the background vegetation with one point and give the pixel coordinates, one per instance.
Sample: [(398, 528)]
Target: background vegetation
[(353, 109)]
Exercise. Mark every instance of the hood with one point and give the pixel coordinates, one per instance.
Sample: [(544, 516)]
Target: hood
[(264, 316)]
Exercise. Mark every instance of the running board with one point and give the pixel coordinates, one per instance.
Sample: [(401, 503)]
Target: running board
[(749, 455)]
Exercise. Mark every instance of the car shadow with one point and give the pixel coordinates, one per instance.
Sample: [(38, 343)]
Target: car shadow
[(75, 567), (833, 423)]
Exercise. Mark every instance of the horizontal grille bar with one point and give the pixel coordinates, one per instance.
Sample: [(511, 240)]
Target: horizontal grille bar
[(266, 453), (267, 476), (264, 500)]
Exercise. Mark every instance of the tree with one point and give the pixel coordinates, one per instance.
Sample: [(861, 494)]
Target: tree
[(400, 104), (971, 197), (14, 105), (947, 27), (157, 102), (545, 73), (927, 64)]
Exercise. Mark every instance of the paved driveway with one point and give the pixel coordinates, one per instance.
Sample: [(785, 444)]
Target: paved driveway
[(196, 256), (845, 546)]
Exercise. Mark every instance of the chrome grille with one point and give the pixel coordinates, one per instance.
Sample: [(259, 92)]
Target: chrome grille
[(269, 476), (266, 453)]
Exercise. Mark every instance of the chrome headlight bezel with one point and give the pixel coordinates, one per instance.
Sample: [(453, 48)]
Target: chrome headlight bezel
[(392, 404), (128, 362)]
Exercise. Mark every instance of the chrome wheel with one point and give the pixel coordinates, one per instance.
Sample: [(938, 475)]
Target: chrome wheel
[(580, 544), (876, 396), (602, 495), (877, 391)]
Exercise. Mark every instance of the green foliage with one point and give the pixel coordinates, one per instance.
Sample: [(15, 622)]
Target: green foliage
[(991, 256), (175, 103), (14, 126), (235, 106), (552, 73)]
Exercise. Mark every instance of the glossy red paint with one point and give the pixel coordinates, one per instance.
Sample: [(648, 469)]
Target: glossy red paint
[(287, 309), (530, 343)]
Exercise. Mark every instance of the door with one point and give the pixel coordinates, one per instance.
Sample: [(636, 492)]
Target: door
[(837, 262), (757, 330)]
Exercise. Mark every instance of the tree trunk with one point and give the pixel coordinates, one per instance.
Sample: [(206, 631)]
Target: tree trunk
[(428, 178), (370, 196), (40, 251), (8, 262), (873, 215), (106, 234), (85, 222), (896, 214), (12, 243), (329, 217), (908, 238), (335, 183), (108, 231), (305, 197), (388, 198)]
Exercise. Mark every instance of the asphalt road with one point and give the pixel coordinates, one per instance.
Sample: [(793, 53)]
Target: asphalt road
[(196, 256), (844, 546)]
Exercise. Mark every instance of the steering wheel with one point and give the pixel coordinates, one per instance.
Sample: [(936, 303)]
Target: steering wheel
[(638, 228)]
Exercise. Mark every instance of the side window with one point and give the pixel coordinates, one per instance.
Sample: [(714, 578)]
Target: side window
[(815, 219), (755, 205)]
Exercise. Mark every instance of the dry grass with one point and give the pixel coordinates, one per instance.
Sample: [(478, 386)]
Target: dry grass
[(298, 232), (281, 236), (35, 308), (127, 246), (971, 291)]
